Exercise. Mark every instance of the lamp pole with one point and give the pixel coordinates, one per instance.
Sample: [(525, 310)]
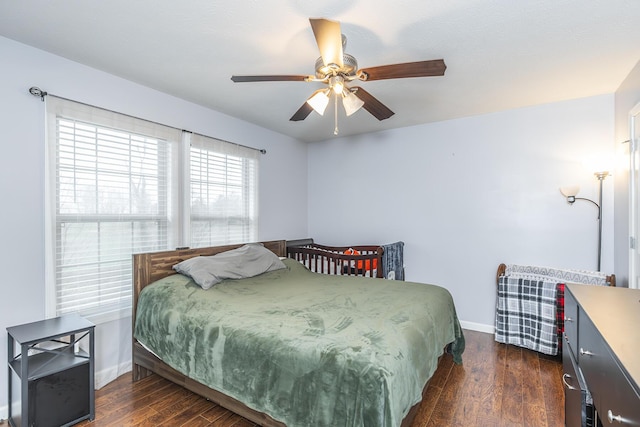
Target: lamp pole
[(570, 194), (601, 176)]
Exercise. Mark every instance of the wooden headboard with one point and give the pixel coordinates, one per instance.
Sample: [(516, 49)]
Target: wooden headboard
[(152, 266)]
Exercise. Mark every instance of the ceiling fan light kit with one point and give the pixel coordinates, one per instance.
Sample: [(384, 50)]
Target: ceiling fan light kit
[(337, 69), (351, 102), (319, 101)]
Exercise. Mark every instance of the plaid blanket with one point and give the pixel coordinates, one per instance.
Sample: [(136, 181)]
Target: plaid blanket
[(526, 313)]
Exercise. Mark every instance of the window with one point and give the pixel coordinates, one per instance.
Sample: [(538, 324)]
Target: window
[(115, 187), (223, 192)]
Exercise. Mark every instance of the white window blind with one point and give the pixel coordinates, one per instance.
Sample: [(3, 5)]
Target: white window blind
[(118, 185), (223, 192), (109, 197)]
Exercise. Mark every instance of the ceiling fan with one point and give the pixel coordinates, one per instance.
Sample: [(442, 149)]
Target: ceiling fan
[(336, 69)]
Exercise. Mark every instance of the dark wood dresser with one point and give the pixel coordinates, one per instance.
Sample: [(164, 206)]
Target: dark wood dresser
[(601, 356)]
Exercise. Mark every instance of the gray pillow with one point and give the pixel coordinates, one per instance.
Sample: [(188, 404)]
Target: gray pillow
[(246, 261)]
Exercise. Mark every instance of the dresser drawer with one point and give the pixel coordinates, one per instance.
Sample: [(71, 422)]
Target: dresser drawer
[(571, 321), (619, 406), (578, 406), (612, 393)]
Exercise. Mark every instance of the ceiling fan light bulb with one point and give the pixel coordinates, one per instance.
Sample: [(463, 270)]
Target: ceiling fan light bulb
[(337, 84), (351, 103), (319, 102), (338, 88)]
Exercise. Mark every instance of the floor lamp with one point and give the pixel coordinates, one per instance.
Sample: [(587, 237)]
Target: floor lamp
[(571, 192)]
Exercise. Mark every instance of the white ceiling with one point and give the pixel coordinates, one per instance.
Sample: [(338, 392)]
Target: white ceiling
[(500, 54)]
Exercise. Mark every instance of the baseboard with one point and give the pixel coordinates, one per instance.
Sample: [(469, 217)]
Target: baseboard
[(479, 327), (4, 414), (105, 376)]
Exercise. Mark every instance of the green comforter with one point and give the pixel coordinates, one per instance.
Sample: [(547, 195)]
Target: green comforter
[(307, 349)]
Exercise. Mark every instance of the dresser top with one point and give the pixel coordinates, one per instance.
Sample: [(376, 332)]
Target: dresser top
[(616, 314)]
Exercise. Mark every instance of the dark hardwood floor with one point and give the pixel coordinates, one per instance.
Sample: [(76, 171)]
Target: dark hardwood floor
[(497, 385)]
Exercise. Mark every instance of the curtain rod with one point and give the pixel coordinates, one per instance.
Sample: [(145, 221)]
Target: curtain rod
[(36, 91)]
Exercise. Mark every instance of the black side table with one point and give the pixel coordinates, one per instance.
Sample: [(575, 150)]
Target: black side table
[(51, 381)]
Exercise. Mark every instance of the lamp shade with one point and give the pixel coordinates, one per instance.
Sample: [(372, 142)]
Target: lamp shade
[(599, 164), (351, 102), (319, 101), (570, 190)]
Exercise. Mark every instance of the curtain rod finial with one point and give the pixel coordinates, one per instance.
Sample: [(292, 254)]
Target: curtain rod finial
[(36, 91)]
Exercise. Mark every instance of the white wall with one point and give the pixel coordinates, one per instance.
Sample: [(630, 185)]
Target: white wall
[(283, 213), (467, 194)]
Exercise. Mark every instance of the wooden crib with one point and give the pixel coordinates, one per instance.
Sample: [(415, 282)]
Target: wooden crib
[(355, 260)]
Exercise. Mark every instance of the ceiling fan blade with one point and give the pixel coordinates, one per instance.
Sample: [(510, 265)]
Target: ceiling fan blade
[(372, 105), (302, 113), (434, 67), (329, 40), (275, 78)]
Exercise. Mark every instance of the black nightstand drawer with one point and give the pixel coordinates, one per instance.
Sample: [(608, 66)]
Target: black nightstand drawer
[(60, 398)]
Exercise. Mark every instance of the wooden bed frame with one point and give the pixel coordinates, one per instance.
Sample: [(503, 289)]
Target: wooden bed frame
[(149, 267)]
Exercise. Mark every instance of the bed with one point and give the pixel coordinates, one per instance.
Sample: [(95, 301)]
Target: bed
[(368, 363)]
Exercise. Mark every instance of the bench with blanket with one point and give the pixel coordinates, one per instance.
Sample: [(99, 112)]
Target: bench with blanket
[(530, 304)]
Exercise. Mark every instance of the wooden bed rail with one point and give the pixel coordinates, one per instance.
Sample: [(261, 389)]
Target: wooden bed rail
[(502, 268)]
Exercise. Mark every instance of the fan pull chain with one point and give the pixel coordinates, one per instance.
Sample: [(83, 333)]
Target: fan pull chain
[(335, 113)]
